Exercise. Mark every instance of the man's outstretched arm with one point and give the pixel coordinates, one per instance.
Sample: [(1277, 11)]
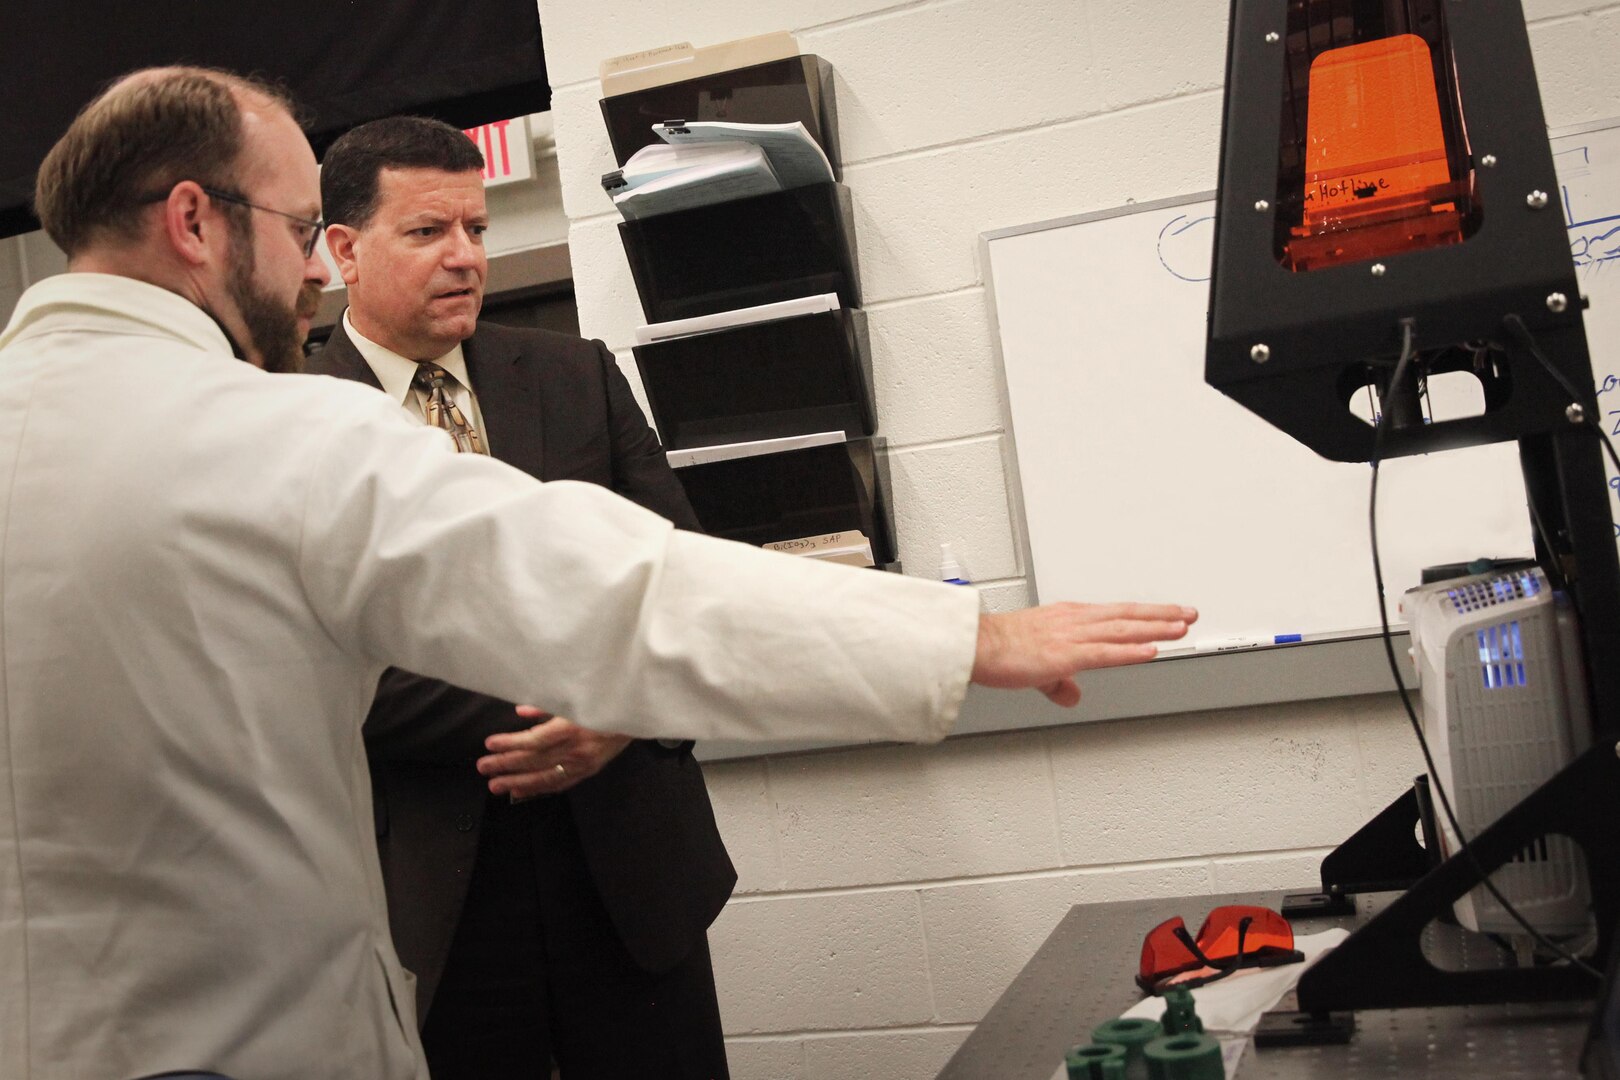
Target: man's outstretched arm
[(1041, 648)]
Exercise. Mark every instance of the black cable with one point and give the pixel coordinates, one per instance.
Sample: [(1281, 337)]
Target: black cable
[(1588, 418), (1463, 848), (1555, 573)]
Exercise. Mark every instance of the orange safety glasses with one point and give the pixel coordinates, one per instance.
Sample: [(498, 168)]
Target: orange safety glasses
[(1232, 937)]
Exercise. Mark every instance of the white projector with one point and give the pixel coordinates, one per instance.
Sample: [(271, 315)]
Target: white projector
[(1504, 707)]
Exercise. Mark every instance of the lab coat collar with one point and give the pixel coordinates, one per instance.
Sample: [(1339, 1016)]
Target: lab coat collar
[(85, 300)]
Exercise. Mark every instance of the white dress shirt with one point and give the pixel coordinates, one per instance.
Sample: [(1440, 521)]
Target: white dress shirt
[(398, 377), (203, 570)]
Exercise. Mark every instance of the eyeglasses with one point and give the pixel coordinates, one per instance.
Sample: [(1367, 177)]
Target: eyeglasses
[(309, 229), (1234, 936)]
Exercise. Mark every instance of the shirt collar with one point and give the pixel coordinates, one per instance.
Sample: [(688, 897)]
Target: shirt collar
[(78, 297), (394, 371)]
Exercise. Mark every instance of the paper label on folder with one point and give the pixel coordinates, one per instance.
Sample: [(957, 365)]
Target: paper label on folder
[(849, 546), (676, 63), (805, 545), (679, 53)]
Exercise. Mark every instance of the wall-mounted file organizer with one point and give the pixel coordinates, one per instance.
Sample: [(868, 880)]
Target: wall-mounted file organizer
[(758, 250), (768, 415), (761, 381), (768, 497), (779, 92)]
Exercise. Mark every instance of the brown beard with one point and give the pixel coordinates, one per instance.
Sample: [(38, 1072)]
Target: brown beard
[(272, 327)]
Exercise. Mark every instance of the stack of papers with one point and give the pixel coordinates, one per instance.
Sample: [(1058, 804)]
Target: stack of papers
[(712, 161), (797, 158), (661, 179)]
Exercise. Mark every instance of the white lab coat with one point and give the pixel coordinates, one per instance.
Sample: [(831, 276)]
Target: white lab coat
[(203, 570)]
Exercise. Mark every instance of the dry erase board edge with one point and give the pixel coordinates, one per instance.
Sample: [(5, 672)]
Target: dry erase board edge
[(1082, 219), (1340, 668)]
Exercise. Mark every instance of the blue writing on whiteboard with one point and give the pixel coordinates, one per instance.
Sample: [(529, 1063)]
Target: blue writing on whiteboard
[(1594, 250), (1594, 235), (1184, 249)]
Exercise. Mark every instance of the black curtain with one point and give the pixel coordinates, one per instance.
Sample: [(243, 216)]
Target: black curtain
[(345, 61)]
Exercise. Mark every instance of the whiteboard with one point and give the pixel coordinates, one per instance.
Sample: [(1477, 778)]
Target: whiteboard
[(1139, 481), (1588, 164)]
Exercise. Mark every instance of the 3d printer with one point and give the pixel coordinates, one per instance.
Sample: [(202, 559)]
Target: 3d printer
[(1388, 215)]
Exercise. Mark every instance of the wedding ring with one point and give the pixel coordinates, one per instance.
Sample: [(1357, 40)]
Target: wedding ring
[(561, 772)]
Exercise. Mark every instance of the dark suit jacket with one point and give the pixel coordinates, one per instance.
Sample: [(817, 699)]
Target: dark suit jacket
[(558, 408)]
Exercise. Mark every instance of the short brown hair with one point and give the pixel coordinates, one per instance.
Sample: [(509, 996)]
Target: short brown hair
[(142, 135)]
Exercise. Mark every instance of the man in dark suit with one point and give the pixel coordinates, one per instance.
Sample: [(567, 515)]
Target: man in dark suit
[(570, 926)]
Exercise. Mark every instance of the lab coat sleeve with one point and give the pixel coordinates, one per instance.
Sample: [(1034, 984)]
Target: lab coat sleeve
[(568, 597)]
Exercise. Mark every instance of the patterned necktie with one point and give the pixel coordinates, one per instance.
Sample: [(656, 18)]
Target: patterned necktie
[(442, 410)]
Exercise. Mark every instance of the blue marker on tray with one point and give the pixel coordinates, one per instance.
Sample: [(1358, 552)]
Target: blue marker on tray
[(1232, 644)]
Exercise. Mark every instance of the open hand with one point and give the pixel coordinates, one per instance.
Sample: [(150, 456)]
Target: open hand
[(1045, 646)]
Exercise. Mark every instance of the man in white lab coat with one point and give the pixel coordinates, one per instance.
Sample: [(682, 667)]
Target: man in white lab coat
[(204, 568)]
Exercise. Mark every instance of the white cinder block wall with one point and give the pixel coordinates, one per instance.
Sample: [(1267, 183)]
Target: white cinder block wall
[(888, 895)]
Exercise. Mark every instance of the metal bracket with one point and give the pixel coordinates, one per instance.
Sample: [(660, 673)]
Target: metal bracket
[(1382, 966)]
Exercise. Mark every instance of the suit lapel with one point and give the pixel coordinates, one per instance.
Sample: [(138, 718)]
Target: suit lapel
[(339, 357), (509, 400)]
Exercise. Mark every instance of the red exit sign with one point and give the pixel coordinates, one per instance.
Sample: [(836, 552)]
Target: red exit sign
[(505, 146)]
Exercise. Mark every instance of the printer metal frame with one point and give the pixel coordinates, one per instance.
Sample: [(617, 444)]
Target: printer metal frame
[(1267, 350)]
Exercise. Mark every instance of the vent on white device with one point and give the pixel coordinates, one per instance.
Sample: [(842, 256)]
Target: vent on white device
[(1473, 595), (1504, 708)]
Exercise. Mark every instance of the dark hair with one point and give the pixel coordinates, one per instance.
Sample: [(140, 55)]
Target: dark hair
[(352, 164), (142, 135)]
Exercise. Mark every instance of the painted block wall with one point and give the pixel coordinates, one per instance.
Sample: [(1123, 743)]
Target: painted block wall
[(888, 895)]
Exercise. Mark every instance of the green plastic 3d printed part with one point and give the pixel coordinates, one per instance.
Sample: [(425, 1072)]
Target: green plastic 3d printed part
[(1187, 1056), (1096, 1061), (1179, 1013), (1132, 1035)]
